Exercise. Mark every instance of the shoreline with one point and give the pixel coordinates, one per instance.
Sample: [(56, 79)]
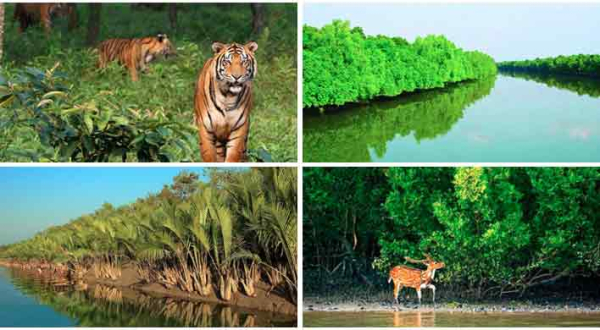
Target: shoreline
[(320, 304), (132, 284)]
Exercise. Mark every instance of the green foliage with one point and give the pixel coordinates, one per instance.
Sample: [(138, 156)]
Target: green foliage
[(39, 106), (371, 127), (342, 64), (498, 230), (582, 65), (164, 95)]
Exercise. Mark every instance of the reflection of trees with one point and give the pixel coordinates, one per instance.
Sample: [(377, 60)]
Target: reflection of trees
[(110, 307), (578, 84), (416, 319), (348, 134)]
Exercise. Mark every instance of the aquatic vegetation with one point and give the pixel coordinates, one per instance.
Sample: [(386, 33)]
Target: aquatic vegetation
[(201, 238), (582, 65), (342, 65)]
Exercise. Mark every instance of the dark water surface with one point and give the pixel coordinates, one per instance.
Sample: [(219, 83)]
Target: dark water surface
[(450, 319), (508, 118), (26, 301)]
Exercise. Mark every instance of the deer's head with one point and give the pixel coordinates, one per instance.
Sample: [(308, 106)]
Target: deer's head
[(428, 261)]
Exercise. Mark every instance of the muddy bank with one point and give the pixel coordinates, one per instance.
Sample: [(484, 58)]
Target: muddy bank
[(131, 284), (382, 303)]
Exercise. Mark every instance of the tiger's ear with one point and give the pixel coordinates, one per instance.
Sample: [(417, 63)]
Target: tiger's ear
[(161, 37), (251, 46), (217, 47)]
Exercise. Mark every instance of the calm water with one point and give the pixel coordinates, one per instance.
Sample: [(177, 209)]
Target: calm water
[(449, 319), (28, 302), (509, 118)]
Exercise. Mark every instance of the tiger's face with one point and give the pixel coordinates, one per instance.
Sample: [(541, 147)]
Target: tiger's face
[(235, 65), (162, 46)]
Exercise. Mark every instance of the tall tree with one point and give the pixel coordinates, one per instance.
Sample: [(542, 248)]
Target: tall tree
[(185, 184), (93, 29), (258, 17), (1, 29), (173, 15)]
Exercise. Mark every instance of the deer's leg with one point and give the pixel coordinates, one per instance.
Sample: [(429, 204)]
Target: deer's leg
[(399, 290), (432, 287), (396, 286), (419, 295)]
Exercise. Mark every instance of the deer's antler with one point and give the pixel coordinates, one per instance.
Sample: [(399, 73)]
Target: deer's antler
[(409, 259), (428, 257)]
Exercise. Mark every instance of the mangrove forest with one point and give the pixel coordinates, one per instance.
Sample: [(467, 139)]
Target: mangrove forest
[(503, 233), (581, 65), (226, 240), (343, 65)]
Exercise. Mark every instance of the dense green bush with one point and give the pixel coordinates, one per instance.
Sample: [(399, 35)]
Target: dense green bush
[(342, 64), (499, 230), (584, 65)]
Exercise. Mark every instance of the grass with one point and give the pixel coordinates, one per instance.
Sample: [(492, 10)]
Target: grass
[(168, 89)]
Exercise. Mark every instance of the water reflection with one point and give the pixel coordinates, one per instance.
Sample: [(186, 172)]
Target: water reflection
[(580, 85), (412, 319), (416, 319), (349, 134), (106, 306)]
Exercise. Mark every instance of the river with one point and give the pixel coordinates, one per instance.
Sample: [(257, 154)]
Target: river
[(450, 319), (507, 118), (27, 301)]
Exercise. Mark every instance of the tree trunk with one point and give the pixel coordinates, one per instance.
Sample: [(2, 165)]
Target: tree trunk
[(258, 18), (173, 16), (1, 30), (93, 29)]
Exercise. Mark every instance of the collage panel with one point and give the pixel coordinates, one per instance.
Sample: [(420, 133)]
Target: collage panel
[(451, 247), (148, 247), (148, 82), (451, 82)]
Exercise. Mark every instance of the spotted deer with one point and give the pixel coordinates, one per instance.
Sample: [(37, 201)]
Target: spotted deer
[(404, 276)]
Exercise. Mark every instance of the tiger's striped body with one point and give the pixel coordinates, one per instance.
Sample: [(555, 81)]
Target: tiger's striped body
[(223, 100), (404, 276), (134, 54), (31, 13)]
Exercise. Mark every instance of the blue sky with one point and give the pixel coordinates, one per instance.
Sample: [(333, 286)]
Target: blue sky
[(505, 31), (34, 198)]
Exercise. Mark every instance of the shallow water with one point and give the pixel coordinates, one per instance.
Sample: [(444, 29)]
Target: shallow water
[(508, 118), (27, 301), (450, 319)]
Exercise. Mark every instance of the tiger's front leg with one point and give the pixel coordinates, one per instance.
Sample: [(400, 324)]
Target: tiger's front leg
[(208, 148), (236, 146)]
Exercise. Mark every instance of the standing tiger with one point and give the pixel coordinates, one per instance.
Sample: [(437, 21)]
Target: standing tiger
[(30, 13), (223, 100), (135, 54)]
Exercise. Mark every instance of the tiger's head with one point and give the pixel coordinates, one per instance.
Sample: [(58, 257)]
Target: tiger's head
[(235, 65), (159, 45)]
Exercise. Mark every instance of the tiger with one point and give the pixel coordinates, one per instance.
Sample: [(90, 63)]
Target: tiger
[(135, 54), (223, 100), (30, 13)]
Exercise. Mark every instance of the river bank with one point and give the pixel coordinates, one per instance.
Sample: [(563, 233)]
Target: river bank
[(131, 284), (383, 303)]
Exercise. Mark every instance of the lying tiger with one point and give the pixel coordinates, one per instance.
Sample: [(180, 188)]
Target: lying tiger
[(223, 100), (31, 13), (134, 54)]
